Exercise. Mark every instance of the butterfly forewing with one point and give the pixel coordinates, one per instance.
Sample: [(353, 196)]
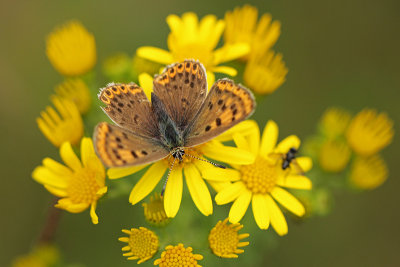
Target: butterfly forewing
[(226, 105), (118, 147), (182, 87), (128, 106)]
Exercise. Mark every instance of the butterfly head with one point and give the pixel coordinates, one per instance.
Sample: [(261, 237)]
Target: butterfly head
[(178, 153)]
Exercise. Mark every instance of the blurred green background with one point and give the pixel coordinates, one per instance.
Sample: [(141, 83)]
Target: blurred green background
[(343, 53)]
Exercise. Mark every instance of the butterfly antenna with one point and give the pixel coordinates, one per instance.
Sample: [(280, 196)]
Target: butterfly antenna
[(166, 180), (213, 163)]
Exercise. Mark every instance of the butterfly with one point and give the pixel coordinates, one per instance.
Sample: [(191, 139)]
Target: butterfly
[(181, 115)]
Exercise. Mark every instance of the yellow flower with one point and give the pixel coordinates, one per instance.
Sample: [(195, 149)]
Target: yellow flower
[(142, 244), (154, 212), (67, 128), (265, 74), (334, 122), (71, 49), (224, 239), (334, 156), (41, 256), (178, 256), (193, 39), (79, 184), (242, 27), (261, 182), (77, 91), (369, 132), (368, 172)]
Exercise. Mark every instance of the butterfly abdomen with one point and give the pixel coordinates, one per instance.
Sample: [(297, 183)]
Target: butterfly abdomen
[(170, 136)]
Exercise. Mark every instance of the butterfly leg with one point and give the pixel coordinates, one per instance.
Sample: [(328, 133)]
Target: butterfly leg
[(166, 180)]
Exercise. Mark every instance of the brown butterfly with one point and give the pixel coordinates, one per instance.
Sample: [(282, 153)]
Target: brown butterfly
[(180, 115)]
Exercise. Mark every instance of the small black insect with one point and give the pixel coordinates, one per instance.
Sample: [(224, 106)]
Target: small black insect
[(288, 158)]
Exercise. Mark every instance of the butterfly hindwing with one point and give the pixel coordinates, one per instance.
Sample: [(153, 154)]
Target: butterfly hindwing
[(128, 107), (182, 87), (118, 147), (226, 105)]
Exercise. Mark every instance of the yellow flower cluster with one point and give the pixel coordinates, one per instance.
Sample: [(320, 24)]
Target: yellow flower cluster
[(362, 136), (265, 71)]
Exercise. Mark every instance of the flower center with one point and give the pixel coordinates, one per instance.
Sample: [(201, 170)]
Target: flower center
[(261, 176), (178, 256), (143, 243), (83, 187)]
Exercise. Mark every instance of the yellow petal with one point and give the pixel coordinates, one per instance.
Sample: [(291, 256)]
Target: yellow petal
[(278, 221), (198, 190), (146, 82), (218, 174), (215, 150), (93, 215), (56, 191), (102, 191), (66, 204), (240, 206), (218, 186), (56, 167), (115, 173), (269, 138), (230, 52), (245, 128), (226, 70), (210, 78), (288, 201), (260, 211), (230, 193), (155, 54), (147, 183), (44, 176), (241, 142), (173, 193), (87, 150), (295, 182), (305, 163), (69, 157), (286, 144), (174, 22)]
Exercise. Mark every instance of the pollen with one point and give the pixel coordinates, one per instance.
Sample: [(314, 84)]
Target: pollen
[(178, 256), (83, 187), (154, 211), (261, 176), (142, 244), (224, 239)]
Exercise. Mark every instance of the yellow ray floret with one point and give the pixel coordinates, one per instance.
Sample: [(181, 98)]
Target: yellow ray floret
[(65, 125)]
